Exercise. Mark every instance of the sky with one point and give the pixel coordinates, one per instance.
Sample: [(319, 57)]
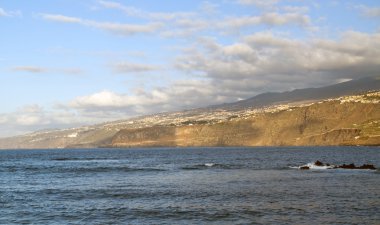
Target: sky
[(68, 63)]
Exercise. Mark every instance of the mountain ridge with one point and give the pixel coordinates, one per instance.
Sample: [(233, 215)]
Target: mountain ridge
[(306, 94)]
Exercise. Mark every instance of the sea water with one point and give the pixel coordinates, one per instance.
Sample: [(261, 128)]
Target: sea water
[(188, 186)]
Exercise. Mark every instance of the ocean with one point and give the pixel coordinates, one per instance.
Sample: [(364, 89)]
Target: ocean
[(188, 186)]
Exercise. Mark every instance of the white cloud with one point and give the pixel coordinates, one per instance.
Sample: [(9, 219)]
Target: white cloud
[(31, 115), (177, 96), (124, 29), (116, 28), (268, 62), (31, 118), (4, 13), (267, 39), (3, 119), (188, 24), (30, 69), (241, 51), (270, 19), (373, 12), (102, 99), (73, 71), (38, 69), (28, 120), (369, 11), (61, 18), (132, 11), (119, 106), (296, 9), (128, 67), (27, 116), (259, 3), (209, 8), (173, 24)]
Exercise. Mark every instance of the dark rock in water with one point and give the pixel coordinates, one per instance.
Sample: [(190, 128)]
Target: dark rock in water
[(367, 167), (353, 167), (350, 166), (344, 166)]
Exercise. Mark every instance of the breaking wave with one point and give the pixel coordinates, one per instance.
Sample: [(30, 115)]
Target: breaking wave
[(313, 167), (210, 166)]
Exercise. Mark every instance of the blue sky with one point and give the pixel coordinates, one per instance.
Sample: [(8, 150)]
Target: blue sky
[(70, 63)]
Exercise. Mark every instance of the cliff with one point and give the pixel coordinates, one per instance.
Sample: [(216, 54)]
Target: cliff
[(327, 123)]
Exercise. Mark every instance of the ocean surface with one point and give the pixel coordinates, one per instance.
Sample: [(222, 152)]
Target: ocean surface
[(188, 186)]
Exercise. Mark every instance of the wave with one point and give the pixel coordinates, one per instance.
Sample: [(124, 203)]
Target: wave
[(77, 170), (65, 159), (210, 166), (107, 169), (312, 166), (83, 159)]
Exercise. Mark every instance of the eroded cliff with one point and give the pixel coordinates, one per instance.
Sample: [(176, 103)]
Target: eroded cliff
[(327, 123)]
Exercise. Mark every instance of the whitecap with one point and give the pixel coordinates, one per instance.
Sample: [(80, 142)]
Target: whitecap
[(315, 167), (312, 166)]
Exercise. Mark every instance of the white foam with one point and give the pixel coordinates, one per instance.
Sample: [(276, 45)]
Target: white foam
[(324, 167), (312, 166), (209, 164), (294, 167)]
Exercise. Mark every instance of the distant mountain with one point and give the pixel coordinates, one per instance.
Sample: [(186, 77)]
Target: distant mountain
[(308, 94)]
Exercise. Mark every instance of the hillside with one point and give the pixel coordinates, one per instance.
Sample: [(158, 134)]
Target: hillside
[(332, 122), (299, 117)]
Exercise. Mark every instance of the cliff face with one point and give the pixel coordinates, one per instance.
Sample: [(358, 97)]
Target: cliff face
[(327, 123), (222, 134)]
